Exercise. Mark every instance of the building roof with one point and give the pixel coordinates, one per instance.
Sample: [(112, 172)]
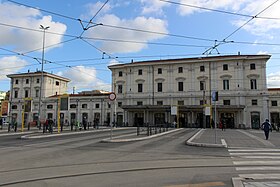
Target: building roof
[(194, 59), (37, 73), (82, 95)]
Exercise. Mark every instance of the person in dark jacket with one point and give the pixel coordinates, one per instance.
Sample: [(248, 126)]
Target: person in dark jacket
[(266, 128)]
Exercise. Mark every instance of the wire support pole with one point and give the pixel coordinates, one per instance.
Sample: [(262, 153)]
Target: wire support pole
[(42, 75)]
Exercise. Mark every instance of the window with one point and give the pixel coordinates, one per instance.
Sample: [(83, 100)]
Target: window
[(226, 102), (57, 83), (84, 105), (16, 94), (49, 106), (73, 106), (226, 84), (119, 104), (180, 86), (37, 80), (26, 93), (273, 103), (16, 81), (27, 81), (36, 93), (253, 83), (140, 87), (202, 85), (254, 102), (252, 66), (139, 103), (97, 105), (201, 102), (108, 105), (159, 87), (14, 106), (181, 102), (120, 89), (120, 73), (140, 72), (202, 68), (159, 71), (225, 67), (180, 70), (159, 102)]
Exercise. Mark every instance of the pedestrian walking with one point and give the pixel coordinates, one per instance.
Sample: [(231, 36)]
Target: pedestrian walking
[(15, 126), (85, 123), (266, 126)]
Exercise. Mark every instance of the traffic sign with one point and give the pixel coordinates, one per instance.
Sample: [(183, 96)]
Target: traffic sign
[(112, 96)]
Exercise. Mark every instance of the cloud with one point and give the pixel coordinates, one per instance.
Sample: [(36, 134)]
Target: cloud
[(93, 8), (11, 65), (83, 78), (113, 62), (211, 4), (153, 6), (259, 27), (25, 40), (273, 80), (141, 23)]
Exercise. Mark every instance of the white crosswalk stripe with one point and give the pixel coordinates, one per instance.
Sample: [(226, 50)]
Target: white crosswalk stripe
[(256, 163)]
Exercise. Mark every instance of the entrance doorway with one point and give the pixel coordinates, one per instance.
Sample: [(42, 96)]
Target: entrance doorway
[(228, 119), (139, 119), (255, 120), (275, 119)]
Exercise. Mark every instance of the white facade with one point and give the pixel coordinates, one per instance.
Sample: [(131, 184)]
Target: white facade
[(26, 86), (147, 90)]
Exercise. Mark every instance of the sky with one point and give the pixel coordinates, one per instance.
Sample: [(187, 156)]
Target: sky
[(84, 37)]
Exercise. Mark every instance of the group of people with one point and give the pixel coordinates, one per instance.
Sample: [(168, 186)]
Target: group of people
[(48, 126)]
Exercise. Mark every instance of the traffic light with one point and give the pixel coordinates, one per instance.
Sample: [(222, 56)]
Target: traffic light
[(215, 96)]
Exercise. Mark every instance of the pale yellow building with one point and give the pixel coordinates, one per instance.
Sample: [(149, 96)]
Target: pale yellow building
[(147, 90)]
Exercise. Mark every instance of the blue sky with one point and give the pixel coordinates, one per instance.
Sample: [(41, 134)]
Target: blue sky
[(137, 29)]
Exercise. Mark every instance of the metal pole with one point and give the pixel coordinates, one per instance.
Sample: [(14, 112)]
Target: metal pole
[(42, 74), (215, 122)]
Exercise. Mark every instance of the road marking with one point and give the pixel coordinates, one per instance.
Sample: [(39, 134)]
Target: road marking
[(257, 162), (224, 142), (205, 184), (244, 154), (258, 168), (260, 157), (253, 150)]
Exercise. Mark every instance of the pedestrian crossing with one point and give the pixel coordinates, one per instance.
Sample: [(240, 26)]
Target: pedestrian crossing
[(256, 163)]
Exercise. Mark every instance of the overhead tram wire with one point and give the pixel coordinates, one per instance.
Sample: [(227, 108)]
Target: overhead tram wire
[(236, 30), (66, 41), (87, 26), (139, 30), (250, 20), (216, 10)]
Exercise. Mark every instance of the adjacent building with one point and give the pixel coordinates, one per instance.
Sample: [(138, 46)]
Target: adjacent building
[(148, 90), (25, 93), (93, 107)]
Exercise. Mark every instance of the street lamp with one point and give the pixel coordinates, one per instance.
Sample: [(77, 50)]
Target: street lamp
[(42, 74)]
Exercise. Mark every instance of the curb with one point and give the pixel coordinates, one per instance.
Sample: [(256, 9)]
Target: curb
[(108, 140), (68, 133), (192, 143), (237, 182)]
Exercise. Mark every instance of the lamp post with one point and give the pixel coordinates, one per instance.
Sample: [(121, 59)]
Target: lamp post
[(42, 74)]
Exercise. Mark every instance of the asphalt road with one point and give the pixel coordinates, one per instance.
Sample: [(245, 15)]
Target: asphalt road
[(82, 160)]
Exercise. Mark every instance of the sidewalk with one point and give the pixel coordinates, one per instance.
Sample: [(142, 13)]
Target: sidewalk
[(228, 138), (235, 138)]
